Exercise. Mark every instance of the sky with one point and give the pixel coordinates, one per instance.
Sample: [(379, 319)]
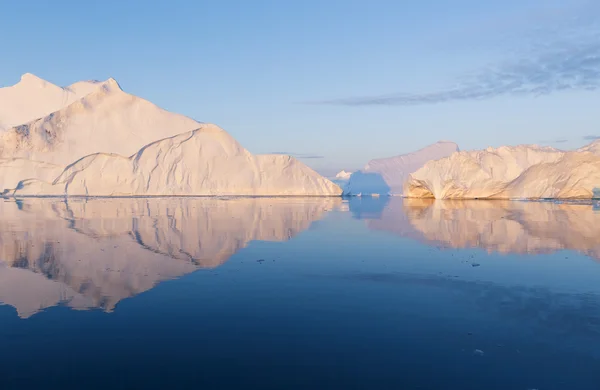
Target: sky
[(335, 83)]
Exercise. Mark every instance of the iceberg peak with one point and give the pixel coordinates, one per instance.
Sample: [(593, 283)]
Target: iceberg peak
[(31, 79), (111, 85)]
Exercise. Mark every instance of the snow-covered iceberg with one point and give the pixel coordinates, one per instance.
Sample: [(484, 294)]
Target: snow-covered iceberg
[(32, 98), (387, 175), (206, 161), (525, 171), (102, 141)]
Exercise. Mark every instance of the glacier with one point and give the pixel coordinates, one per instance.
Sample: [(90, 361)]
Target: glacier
[(387, 175), (510, 172), (94, 139)]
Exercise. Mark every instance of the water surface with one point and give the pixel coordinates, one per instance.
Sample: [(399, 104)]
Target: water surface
[(299, 293)]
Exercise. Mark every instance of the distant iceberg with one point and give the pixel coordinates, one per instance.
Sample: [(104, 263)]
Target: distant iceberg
[(386, 176), (520, 172), (343, 175)]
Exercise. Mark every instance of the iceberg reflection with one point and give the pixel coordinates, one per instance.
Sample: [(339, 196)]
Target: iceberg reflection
[(495, 225), (94, 253)]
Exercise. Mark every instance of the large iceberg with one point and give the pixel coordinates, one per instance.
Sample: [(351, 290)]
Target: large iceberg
[(387, 175), (525, 171), (102, 141), (206, 161)]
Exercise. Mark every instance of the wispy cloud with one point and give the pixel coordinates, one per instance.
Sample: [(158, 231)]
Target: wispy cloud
[(566, 61), (591, 137), (300, 155), (556, 141)]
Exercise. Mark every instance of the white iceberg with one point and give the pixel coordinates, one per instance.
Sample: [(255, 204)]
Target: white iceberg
[(343, 175), (101, 141), (387, 175), (206, 161), (521, 172)]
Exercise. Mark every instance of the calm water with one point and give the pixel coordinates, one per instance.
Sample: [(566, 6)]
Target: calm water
[(298, 294)]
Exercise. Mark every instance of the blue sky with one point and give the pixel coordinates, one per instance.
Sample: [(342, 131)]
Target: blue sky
[(335, 82)]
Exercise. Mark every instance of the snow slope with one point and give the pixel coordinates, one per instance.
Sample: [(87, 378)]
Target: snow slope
[(107, 120), (387, 175), (526, 171), (32, 98), (206, 161)]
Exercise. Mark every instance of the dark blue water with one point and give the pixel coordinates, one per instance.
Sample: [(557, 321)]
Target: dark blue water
[(298, 294)]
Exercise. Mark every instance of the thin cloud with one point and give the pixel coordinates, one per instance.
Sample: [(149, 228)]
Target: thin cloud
[(555, 141), (591, 137), (561, 62), (300, 155)]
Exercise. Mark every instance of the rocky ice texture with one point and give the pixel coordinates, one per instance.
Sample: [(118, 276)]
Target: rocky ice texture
[(94, 253), (32, 98), (509, 173), (107, 120), (207, 161), (387, 175), (101, 141)]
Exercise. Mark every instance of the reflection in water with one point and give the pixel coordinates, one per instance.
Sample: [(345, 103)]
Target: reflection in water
[(498, 226), (94, 253)]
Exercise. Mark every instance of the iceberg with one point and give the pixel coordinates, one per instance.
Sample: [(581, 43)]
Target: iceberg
[(520, 172), (205, 162), (387, 175), (343, 175), (102, 141)]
